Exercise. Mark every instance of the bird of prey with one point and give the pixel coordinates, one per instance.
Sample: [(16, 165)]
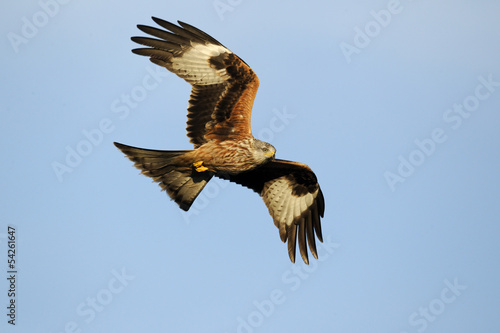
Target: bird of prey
[(218, 125)]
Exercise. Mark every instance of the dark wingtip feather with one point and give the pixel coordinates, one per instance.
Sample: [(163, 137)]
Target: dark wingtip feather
[(123, 148), (310, 233), (302, 241), (179, 30), (199, 33), (292, 240), (159, 21), (321, 203), (144, 28), (136, 39), (141, 51)]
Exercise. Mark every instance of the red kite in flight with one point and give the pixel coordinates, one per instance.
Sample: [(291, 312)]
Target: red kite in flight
[(218, 125)]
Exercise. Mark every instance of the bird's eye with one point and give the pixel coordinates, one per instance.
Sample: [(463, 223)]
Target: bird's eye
[(265, 150)]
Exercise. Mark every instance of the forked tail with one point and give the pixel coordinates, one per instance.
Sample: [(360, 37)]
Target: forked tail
[(170, 171)]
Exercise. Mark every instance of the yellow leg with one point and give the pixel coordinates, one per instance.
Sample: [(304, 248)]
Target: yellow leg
[(199, 166)]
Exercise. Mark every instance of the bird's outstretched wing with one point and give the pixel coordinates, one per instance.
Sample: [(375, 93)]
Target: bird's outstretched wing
[(224, 86), (292, 194)]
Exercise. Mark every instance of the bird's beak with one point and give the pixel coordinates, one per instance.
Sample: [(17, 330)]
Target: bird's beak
[(270, 155)]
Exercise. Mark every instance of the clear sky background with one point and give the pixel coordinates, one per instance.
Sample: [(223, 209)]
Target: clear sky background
[(394, 105)]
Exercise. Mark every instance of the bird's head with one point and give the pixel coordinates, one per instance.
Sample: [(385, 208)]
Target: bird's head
[(263, 151)]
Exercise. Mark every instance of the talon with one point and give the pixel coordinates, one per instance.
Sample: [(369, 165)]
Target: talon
[(201, 169), (199, 166)]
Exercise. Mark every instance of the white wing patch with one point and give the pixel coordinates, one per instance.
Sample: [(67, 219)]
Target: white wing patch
[(194, 64), (286, 208)]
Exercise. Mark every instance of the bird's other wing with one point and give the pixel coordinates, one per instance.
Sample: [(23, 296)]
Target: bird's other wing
[(292, 194), (223, 85)]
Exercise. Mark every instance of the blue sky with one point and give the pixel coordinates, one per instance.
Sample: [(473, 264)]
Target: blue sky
[(394, 105)]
